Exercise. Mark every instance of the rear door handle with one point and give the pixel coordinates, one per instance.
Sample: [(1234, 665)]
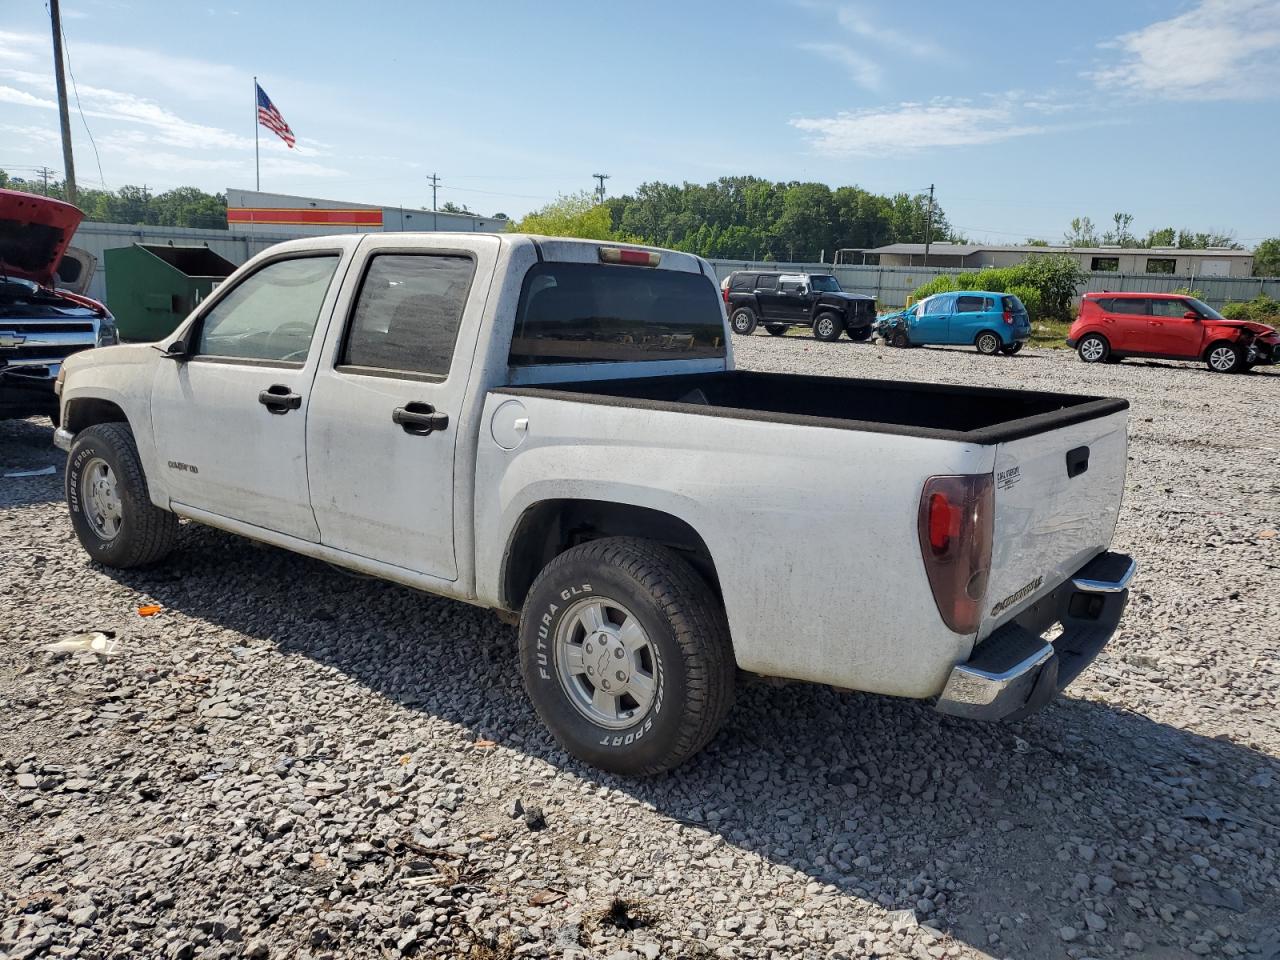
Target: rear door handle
[(420, 419), (279, 399)]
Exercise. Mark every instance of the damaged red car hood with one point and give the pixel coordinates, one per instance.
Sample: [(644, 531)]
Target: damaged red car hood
[(34, 234), (1259, 328)]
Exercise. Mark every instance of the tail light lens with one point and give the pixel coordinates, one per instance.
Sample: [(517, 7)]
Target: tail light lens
[(957, 515), (1008, 317)]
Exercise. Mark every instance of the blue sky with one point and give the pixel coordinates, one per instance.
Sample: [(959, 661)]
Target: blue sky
[(1023, 114)]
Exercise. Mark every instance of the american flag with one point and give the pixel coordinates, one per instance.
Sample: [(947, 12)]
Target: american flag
[(270, 118)]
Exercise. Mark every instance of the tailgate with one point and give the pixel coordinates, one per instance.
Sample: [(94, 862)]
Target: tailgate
[(1057, 497)]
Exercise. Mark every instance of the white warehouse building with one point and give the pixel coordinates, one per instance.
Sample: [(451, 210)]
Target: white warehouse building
[(254, 212)]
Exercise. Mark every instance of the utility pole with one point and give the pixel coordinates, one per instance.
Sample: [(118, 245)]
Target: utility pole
[(602, 177), (435, 183), (45, 174), (68, 162), (928, 227)]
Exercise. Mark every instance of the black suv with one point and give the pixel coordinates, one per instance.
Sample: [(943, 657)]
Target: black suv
[(782, 300)]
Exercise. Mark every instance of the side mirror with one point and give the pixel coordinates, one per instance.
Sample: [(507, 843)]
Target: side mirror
[(1191, 315), (176, 351)]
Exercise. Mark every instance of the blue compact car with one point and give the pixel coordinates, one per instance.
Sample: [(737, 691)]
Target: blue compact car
[(992, 322)]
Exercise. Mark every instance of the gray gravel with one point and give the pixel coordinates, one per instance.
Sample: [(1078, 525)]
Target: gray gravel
[(288, 762)]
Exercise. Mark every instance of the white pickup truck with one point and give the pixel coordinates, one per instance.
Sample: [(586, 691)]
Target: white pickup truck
[(555, 428)]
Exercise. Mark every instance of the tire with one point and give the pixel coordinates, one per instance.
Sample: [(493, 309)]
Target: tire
[(1010, 349), (111, 511), (827, 327), (686, 657), (776, 329), (858, 334), (1093, 348), (900, 340), (743, 321), (988, 343), (1223, 357)]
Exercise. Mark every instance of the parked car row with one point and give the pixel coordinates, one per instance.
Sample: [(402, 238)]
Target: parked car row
[(1110, 327)]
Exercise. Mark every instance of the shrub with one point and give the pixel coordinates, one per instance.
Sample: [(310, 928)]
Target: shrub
[(1236, 311)]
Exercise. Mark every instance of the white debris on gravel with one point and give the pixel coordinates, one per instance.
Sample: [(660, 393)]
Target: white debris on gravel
[(287, 762)]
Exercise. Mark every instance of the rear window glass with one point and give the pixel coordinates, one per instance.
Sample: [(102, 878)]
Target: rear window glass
[(592, 313), (1012, 304), (741, 281), (970, 304)]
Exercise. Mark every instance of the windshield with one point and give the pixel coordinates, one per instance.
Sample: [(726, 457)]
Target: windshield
[(588, 313), (1204, 309), (824, 284)]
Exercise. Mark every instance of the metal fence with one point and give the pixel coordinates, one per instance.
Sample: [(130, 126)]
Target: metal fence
[(892, 285)]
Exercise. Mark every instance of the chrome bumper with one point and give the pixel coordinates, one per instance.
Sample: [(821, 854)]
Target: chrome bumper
[(62, 439), (1015, 671)]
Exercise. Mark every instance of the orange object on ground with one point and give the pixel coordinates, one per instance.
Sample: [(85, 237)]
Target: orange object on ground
[(149, 609)]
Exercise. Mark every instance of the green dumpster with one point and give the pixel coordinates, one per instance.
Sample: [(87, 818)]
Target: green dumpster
[(151, 287)]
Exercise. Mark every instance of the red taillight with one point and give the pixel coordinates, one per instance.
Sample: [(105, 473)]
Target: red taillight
[(725, 293), (1008, 316), (636, 258), (956, 519)]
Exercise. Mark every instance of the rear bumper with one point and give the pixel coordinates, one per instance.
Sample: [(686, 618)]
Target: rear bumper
[(1015, 671), (1071, 342)]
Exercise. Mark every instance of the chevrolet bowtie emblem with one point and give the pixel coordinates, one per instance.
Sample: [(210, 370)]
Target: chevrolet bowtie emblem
[(12, 339)]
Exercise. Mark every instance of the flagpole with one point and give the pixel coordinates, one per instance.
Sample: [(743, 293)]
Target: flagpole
[(257, 173)]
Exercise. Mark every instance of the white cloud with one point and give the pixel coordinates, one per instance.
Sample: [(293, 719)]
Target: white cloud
[(906, 127), (24, 99), (1220, 50), (855, 20), (863, 72)]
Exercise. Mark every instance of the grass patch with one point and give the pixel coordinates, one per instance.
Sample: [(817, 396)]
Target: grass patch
[(1051, 334)]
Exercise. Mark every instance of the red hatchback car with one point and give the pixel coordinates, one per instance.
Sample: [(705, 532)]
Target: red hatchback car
[(1168, 326)]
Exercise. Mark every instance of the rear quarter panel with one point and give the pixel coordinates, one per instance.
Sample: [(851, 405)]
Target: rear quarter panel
[(812, 530)]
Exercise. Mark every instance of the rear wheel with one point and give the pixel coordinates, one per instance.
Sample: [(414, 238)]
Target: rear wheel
[(743, 322), (987, 343), (626, 656), (1012, 348), (111, 510), (827, 327), (1093, 349), (776, 329), (1225, 358)]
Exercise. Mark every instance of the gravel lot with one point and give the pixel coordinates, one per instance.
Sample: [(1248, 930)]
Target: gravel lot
[(289, 762)]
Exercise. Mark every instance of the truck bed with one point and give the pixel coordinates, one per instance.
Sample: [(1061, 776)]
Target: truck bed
[(980, 415)]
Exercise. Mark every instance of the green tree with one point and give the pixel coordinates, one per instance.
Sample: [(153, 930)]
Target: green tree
[(1266, 258), (574, 215), (1081, 234)]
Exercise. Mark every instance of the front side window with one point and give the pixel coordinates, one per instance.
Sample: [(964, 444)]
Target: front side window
[(271, 314), (935, 306), (824, 283), (791, 286), (407, 314), (593, 313), (1168, 308), (1160, 264)]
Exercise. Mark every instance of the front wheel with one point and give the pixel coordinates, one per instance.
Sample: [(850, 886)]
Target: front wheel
[(1010, 349), (626, 656), (1225, 358), (827, 327), (111, 510), (858, 333), (776, 329), (743, 322), (900, 340)]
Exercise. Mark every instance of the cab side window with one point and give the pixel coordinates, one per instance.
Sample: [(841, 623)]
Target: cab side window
[(271, 314), (407, 313)]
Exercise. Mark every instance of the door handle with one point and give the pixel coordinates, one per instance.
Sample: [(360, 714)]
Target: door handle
[(279, 399), (420, 419)]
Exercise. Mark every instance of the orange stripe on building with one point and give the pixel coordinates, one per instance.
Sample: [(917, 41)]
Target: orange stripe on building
[(332, 216)]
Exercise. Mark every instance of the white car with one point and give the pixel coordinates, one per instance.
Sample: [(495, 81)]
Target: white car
[(555, 429)]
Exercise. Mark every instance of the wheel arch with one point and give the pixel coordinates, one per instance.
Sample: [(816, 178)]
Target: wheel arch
[(548, 528), (84, 412), (1219, 341), (995, 333)]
